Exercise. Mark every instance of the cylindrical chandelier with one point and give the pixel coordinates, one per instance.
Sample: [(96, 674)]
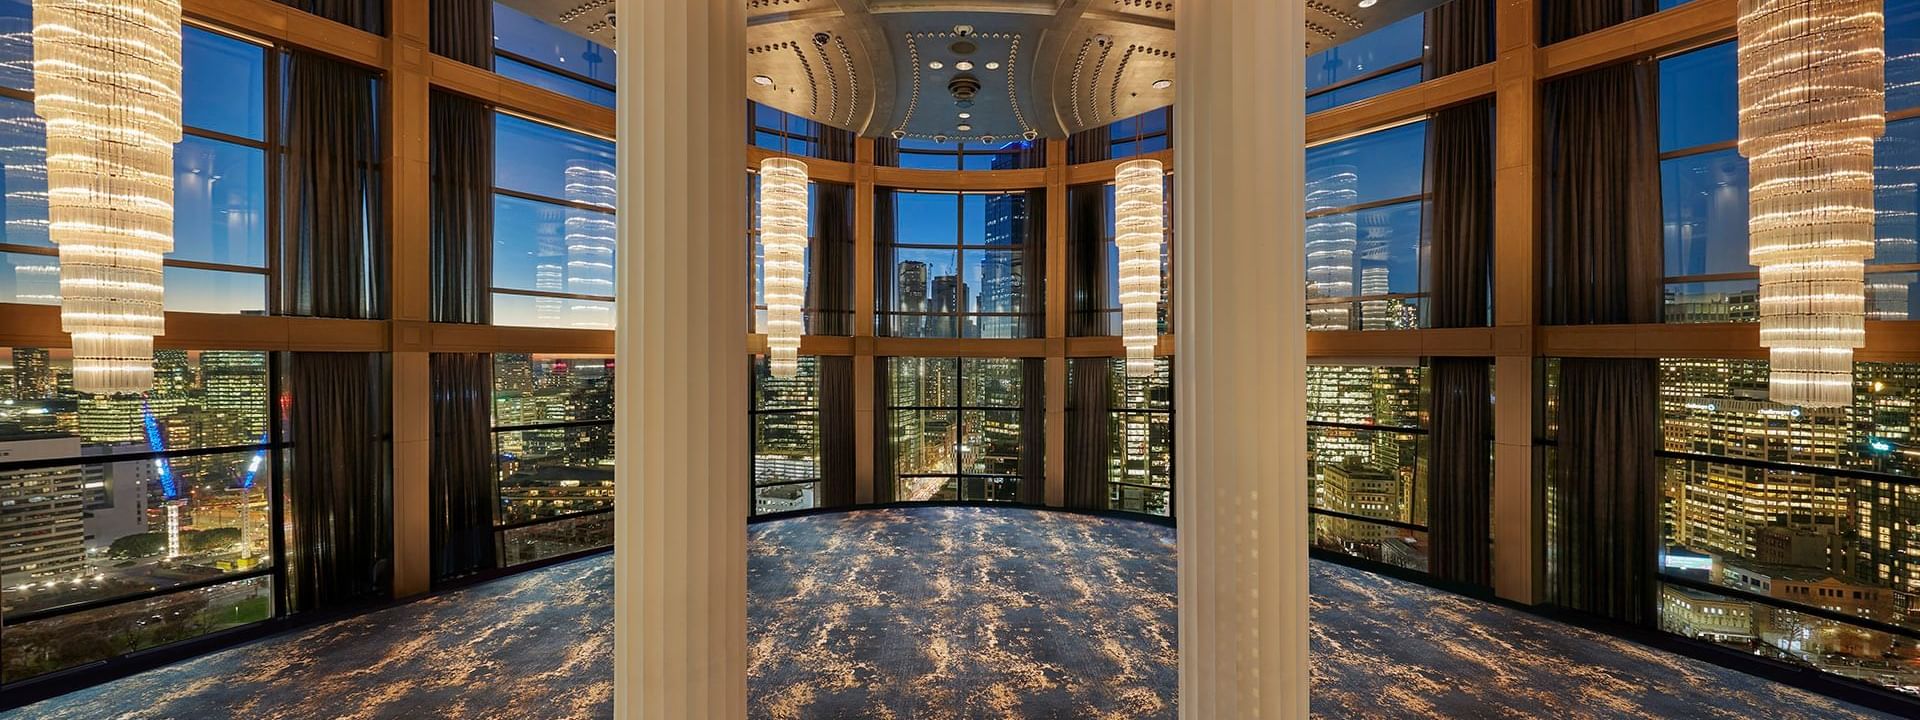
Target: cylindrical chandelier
[(1139, 226), (783, 247), (108, 76), (1812, 101)]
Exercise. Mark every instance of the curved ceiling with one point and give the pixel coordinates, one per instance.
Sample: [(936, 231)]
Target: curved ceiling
[(969, 70)]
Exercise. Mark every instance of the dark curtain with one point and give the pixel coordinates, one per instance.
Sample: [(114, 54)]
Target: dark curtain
[(461, 150), (339, 522), (836, 431), (883, 260), (1568, 19), (1033, 259), (368, 15), (463, 30), (1460, 178), (883, 466), (1460, 479), (1033, 432), (460, 481), (335, 242), (1090, 145), (1605, 491), (1601, 206), (835, 144), (1086, 279), (1033, 154), (1089, 432), (886, 152), (831, 268), (1459, 37)]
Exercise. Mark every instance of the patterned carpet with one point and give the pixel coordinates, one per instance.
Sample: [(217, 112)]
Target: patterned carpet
[(934, 613)]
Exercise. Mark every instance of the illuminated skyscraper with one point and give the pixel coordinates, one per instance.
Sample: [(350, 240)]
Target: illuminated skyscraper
[(1330, 243), (42, 512), (910, 288)]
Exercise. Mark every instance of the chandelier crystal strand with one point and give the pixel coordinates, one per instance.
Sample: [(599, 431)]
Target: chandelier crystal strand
[(1139, 201), (1812, 102), (108, 76), (783, 243)]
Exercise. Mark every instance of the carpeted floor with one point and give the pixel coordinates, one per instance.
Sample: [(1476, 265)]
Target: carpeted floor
[(940, 613)]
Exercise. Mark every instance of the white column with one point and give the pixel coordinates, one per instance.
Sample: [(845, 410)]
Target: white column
[(1240, 385), (680, 593)]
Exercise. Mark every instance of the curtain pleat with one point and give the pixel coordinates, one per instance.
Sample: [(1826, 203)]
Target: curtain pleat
[(1460, 178), (886, 152), (463, 30), (1568, 19), (883, 464), (1605, 491), (836, 431), (1033, 432), (834, 143), (1034, 154), (1460, 477), (460, 478), (1086, 279), (1090, 145), (883, 257), (1602, 240), (1033, 273), (1089, 432), (461, 150), (1459, 37), (832, 262), (338, 493), (368, 15), (336, 244)]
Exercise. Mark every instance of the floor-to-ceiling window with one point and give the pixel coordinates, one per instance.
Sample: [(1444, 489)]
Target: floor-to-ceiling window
[(533, 52), (553, 448), (1378, 62), (960, 266), (1366, 246), (786, 438), (1140, 425), (554, 232), (956, 427)]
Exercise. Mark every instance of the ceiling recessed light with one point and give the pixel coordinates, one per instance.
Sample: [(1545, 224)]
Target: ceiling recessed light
[(964, 116), (1368, 3), (963, 127), (1162, 84), (936, 65), (763, 80), (993, 66), (963, 65)]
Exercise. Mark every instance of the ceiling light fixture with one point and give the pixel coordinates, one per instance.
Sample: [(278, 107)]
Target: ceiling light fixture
[(963, 65), (783, 242), (1162, 84), (109, 89), (1368, 3), (935, 65), (1139, 227), (964, 116), (993, 66), (963, 127), (1812, 101), (763, 80)]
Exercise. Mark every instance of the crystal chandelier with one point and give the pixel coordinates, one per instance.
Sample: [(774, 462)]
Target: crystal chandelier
[(108, 73), (1139, 227), (1812, 101), (783, 247)]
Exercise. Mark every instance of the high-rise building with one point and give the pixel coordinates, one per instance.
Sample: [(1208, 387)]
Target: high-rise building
[(42, 512), (234, 390), (910, 296)]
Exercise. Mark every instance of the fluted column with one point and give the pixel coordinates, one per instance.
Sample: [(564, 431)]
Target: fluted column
[(680, 619), (1240, 388)]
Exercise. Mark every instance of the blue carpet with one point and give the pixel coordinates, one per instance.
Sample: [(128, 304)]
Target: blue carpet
[(940, 613)]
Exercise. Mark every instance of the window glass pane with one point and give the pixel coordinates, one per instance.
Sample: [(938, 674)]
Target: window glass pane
[(1890, 296), (220, 203), (1705, 203), (1399, 42), (530, 389), (1373, 167), (925, 218), (1713, 302), (57, 643), (214, 291), (1392, 395), (1699, 98), (554, 471), (201, 399), (542, 78), (992, 382), (929, 161), (1720, 407), (1903, 54), (23, 170), (16, 44), (1362, 90), (539, 42), (544, 160), (1897, 196), (924, 441), (223, 84), (29, 279), (1395, 546), (553, 539), (529, 311), (990, 442), (554, 248)]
